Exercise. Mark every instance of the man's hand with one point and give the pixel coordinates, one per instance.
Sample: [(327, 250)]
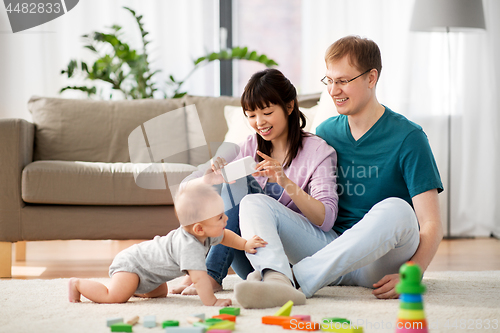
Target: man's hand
[(253, 243), (386, 287)]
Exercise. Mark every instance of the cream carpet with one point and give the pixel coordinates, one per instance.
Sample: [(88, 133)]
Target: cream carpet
[(455, 302)]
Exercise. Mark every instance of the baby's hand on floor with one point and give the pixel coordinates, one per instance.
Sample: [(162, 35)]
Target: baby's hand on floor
[(254, 243), (223, 302)]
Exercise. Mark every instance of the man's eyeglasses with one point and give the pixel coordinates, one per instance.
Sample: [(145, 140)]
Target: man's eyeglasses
[(328, 82)]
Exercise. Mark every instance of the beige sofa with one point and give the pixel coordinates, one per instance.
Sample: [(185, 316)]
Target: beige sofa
[(68, 175)]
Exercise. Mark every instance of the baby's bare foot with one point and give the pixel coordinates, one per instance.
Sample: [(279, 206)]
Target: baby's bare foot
[(191, 290), (74, 294), (186, 282), (179, 289)]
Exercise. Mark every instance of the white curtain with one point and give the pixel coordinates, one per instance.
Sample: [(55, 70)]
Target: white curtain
[(180, 31), (414, 82)]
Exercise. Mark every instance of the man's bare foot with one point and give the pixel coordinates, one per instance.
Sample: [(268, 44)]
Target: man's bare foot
[(74, 294), (185, 283)]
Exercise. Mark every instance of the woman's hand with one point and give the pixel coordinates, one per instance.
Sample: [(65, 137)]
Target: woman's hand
[(270, 168)]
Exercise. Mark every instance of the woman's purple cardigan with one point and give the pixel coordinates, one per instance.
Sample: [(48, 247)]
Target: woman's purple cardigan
[(313, 169)]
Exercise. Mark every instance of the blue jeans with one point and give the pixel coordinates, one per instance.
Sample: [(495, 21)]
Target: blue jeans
[(221, 257), (384, 239)]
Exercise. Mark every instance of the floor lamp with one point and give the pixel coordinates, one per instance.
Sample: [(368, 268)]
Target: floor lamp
[(448, 16)]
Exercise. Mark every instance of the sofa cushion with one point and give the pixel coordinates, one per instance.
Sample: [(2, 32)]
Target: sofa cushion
[(95, 130), (211, 116), (88, 183)]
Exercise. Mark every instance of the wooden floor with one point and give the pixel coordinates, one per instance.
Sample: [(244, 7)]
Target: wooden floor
[(86, 259)]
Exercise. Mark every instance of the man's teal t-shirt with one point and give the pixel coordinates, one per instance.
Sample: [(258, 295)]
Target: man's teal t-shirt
[(392, 159)]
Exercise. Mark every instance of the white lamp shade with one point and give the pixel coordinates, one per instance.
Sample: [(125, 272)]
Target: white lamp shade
[(447, 15)]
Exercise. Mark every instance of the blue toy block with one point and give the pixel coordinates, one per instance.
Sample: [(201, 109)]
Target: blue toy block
[(198, 315), (111, 321), (149, 321)]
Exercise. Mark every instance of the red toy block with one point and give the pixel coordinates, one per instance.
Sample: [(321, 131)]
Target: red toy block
[(226, 316)]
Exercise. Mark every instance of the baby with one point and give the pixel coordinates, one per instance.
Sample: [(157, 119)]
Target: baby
[(143, 269)]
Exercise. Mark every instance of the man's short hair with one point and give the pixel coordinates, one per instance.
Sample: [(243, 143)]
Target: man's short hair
[(363, 53)]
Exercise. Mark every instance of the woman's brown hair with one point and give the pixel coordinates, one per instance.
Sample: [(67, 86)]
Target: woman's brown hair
[(269, 87)]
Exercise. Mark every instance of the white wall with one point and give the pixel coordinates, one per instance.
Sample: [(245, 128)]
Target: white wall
[(31, 61)]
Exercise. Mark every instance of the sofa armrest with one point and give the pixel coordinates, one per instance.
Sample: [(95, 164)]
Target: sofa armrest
[(16, 151)]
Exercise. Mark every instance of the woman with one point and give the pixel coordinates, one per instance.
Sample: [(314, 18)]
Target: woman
[(295, 170)]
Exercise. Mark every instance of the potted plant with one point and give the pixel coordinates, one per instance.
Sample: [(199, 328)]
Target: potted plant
[(128, 70)]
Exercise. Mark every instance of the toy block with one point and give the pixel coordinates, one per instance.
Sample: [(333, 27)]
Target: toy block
[(224, 325), (302, 317), (340, 328), (203, 325), (412, 330), (411, 306), (275, 320), (335, 320), (170, 323), (190, 329), (285, 310), (411, 314), (111, 321), (295, 324), (213, 321), (230, 310), (219, 331), (149, 321), (339, 325), (226, 316), (198, 315), (411, 298), (121, 327), (133, 321), (193, 320), (422, 323)]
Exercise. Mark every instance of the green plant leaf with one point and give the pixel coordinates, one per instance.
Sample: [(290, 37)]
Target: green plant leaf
[(213, 56), (130, 10), (270, 63), (91, 48), (252, 56), (85, 68), (179, 95), (224, 54), (90, 91), (262, 59), (200, 59), (243, 52)]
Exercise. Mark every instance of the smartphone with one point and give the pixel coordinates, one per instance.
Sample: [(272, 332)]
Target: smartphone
[(239, 169)]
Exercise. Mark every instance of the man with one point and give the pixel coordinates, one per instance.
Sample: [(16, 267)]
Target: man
[(388, 210), (387, 180)]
